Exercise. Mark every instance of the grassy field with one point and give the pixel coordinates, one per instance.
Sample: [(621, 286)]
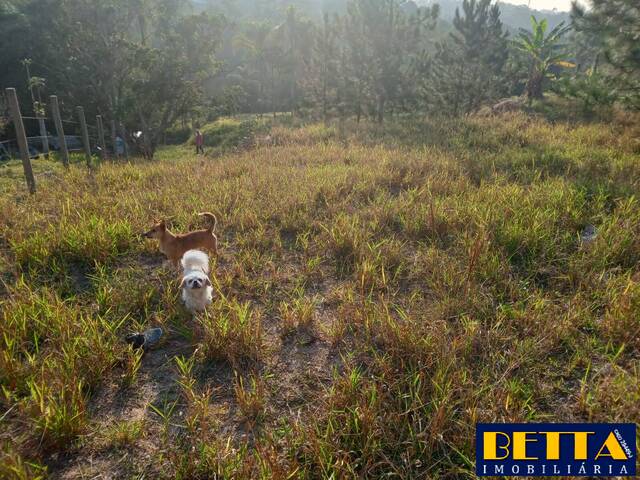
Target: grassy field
[(379, 291)]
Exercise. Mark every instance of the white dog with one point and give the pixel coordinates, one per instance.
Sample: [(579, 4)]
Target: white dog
[(196, 286)]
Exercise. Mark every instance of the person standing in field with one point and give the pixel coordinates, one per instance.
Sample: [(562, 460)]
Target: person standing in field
[(199, 142)]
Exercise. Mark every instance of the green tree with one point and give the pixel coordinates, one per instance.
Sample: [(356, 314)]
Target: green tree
[(168, 80), (544, 52), (616, 23), (118, 60), (13, 25), (325, 64), (295, 36), (355, 66), (468, 69), (252, 64), (384, 41)]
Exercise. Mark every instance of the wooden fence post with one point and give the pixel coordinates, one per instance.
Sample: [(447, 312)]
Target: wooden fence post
[(62, 141), (114, 143), (22, 138), (124, 140), (103, 146), (85, 135)]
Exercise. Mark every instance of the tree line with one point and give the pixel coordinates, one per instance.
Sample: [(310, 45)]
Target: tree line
[(159, 64)]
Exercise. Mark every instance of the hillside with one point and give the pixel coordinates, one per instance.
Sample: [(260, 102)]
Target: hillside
[(514, 16), (379, 290), (519, 16)]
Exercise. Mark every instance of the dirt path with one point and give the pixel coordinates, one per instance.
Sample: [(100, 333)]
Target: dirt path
[(296, 368)]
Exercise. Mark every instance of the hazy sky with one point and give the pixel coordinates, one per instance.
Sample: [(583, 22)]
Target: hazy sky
[(544, 4)]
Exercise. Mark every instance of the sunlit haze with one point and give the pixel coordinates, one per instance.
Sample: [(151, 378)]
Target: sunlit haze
[(544, 4)]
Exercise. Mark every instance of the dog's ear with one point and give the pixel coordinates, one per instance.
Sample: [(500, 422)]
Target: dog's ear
[(182, 282), (162, 224), (207, 281)]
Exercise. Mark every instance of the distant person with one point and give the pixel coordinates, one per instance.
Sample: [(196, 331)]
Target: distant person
[(199, 142), (119, 145)]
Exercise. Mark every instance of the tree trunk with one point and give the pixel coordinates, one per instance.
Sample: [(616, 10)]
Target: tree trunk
[(142, 27), (359, 104), (380, 110), (273, 93), (145, 144), (534, 86), (324, 102)]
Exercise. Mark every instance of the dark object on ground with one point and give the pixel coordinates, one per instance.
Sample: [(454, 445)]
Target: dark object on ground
[(589, 234), (135, 339), (146, 340)]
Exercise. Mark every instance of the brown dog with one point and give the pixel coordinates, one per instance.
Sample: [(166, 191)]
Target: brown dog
[(174, 245)]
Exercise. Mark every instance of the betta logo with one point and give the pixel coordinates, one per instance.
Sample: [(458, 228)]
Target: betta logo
[(556, 449)]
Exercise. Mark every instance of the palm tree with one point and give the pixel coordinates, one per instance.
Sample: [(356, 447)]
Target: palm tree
[(545, 52)]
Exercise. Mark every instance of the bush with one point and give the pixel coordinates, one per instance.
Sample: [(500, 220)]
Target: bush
[(177, 135), (592, 90), (227, 133)]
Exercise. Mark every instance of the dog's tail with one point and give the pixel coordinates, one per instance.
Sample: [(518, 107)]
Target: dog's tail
[(211, 217), (194, 260)]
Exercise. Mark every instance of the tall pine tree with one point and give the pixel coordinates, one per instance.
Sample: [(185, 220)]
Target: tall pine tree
[(617, 24), (468, 70), (384, 38)]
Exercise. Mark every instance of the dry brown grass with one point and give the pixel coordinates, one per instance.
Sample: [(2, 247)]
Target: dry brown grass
[(379, 290)]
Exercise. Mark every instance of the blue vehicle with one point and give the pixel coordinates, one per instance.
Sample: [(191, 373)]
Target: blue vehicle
[(73, 143), (7, 153)]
